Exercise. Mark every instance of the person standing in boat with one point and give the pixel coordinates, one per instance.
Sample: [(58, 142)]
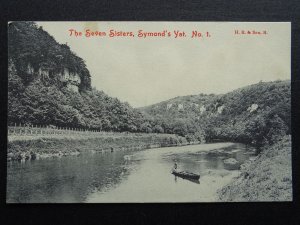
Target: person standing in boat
[(175, 167)]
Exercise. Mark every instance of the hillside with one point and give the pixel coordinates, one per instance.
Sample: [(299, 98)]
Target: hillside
[(37, 55), (48, 84), (268, 178), (254, 114)]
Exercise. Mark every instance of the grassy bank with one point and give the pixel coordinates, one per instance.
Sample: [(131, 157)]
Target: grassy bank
[(267, 178), (33, 148)]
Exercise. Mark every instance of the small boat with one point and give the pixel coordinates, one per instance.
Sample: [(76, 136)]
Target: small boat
[(186, 175)]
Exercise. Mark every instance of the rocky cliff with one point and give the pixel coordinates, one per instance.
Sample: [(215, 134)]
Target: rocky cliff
[(37, 55)]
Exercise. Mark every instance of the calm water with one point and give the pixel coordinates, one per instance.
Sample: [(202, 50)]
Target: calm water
[(142, 176)]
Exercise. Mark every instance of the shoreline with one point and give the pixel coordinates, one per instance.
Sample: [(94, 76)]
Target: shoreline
[(26, 148), (266, 178)]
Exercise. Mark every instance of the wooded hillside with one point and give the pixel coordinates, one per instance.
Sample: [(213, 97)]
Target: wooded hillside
[(50, 85), (257, 114)]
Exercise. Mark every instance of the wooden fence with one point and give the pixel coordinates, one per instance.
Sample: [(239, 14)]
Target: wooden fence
[(23, 130)]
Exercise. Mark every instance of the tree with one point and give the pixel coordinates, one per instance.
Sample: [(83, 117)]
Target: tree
[(146, 127), (158, 129), (180, 127), (256, 131), (277, 129)]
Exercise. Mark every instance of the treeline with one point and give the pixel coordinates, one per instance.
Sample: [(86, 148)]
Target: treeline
[(38, 100), (230, 116), (270, 122), (40, 103), (44, 100), (256, 114)]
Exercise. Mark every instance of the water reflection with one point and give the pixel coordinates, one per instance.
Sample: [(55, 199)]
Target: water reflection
[(191, 180), (67, 179), (141, 176), (153, 181)]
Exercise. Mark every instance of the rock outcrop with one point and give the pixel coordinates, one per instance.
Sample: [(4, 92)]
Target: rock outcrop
[(252, 108), (69, 79)]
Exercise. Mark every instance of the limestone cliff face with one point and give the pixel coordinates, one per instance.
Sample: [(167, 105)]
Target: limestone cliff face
[(202, 109), (69, 79), (252, 108), (180, 107), (220, 109), (30, 69), (37, 55), (217, 109)]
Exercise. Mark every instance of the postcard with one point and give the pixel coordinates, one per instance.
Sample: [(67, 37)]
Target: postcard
[(125, 112)]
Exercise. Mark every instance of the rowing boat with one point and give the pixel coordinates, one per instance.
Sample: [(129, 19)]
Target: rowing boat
[(187, 175)]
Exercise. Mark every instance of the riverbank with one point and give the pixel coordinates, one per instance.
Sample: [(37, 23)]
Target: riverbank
[(28, 148), (266, 178)]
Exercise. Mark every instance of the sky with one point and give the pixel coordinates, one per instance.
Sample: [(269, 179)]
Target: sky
[(143, 71)]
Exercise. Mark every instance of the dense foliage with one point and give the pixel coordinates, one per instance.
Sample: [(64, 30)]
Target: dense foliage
[(29, 44), (229, 116), (256, 114), (35, 100)]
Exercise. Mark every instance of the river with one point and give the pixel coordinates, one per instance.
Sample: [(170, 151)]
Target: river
[(126, 176)]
